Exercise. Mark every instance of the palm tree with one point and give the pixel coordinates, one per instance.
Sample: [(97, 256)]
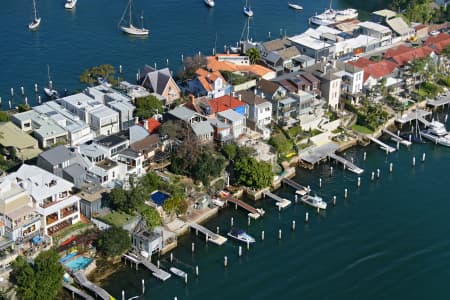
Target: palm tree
[(416, 67), (254, 55)]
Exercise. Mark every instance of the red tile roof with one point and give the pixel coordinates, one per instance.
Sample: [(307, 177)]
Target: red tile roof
[(207, 78), (374, 69), (438, 42), (403, 54), (153, 125), (215, 65), (224, 103)]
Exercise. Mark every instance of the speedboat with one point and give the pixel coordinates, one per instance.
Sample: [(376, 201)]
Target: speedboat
[(178, 272), (437, 133), (209, 3), (314, 201), (295, 6), (70, 4), (51, 93), (241, 235)]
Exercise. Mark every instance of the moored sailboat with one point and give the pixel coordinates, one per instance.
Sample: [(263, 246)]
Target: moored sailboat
[(36, 20), (130, 28), (248, 10)]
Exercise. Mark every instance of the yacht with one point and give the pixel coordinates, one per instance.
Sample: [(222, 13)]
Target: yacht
[(331, 16), (130, 28), (209, 3), (295, 6), (70, 4), (314, 201), (36, 20), (248, 10), (437, 133), (241, 235), (178, 272)]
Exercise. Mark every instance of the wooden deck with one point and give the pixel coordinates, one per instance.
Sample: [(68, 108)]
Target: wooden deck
[(253, 212)]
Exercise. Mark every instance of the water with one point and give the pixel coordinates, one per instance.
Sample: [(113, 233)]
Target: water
[(71, 41), (79, 263), (389, 239)]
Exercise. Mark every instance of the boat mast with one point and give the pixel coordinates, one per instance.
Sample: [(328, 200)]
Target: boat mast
[(34, 8), (331, 4), (131, 4), (142, 21)]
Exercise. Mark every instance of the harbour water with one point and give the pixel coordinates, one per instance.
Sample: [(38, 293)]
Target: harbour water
[(388, 240), (71, 41)]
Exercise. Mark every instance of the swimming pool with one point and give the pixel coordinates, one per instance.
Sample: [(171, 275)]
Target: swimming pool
[(79, 263), (159, 197), (67, 257)]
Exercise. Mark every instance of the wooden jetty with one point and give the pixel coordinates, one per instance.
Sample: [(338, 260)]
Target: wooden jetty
[(397, 138), (418, 114), (439, 101), (295, 185), (383, 146), (210, 236), (81, 279), (281, 202), (254, 213), (348, 164), (157, 272), (77, 291)]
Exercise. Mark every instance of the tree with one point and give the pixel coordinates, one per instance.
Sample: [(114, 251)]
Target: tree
[(254, 55), (171, 128), (151, 217), (4, 117), (230, 150), (150, 182), (146, 107), (91, 75), (209, 165), (114, 241), (175, 205), (191, 64), (118, 199), (40, 281), (280, 143), (23, 107), (252, 173)]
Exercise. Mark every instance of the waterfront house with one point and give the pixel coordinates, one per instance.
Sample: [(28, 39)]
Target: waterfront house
[(203, 131), (438, 44), (225, 102), (272, 90), (52, 196), (352, 78), (273, 46), (134, 90), (375, 71), (300, 81), (235, 120), (18, 216), (222, 131), (206, 83), (145, 239), (401, 28), (381, 16), (238, 64), (330, 83), (133, 160), (149, 147), (93, 200), (184, 114), (283, 60), (25, 145), (43, 128), (381, 32), (312, 46), (259, 110), (161, 82)]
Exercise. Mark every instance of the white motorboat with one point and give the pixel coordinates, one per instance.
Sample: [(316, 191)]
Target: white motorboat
[(70, 4), (295, 6), (36, 19), (437, 133), (209, 3), (314, 201), (178, 272), (130, 28), (248, 10), (241, 235)]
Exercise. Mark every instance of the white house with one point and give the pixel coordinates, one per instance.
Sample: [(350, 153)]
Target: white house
[(235, 120), (352, 79), (259, 109)]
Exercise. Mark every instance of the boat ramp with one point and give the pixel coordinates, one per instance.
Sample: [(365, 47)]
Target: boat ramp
[(76, 291), (157, 272), (254, 213), (281, 202), (84, 282), (295, 185), (383, 146), (210, 236), (397, 138), (347, 164)]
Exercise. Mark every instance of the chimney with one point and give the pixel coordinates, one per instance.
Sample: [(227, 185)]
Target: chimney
[(240, 97), (234, 94), (255, 91), (146, 124), (262, 95), (191, 100), (136, 120)]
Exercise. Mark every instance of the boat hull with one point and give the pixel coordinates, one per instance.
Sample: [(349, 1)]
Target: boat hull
[(70, 4), (295, 6), (248, 12), (134, 31), (209, 3), (35, 24), (178, 272), (321, 205), (249, 240), (444, 141)]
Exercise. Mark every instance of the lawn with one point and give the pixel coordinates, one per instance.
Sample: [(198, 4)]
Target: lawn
[(361, 129), (116, 218)]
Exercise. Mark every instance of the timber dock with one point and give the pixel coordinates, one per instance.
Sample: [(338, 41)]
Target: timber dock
[(281, 202), (295, 185), (254, 213), (157, 272), (418, 114), (210, 236), (77, 291), (397, 138), (383, 146), (98, 291), (441, 100), (347, 164)]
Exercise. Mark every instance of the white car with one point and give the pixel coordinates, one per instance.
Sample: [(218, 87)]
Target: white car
[(434, 33)]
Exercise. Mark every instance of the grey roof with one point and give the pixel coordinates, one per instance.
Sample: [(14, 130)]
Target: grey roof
[(202, 128), (182, 113), (277, 44), (399, 26), (157, 80), (56, 155), (74, 171), (218, 124), (231, 115), (250, 98), (273, 57), (110, 140), (129, 152), (289, 53), (288, 101), (137, 133)]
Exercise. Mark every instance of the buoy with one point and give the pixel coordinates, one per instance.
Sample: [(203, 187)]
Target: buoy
[(225, 261), (423, 157), (414, 161), (359, 181), (240, 251), (293, 225), (262, 235), (320, 182), (391, 166), (196, 271), (365, 155), (334, 200), (306, 217), (193, 247), (345, 193), (279, 234)]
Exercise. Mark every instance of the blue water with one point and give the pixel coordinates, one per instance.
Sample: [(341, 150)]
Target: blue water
[(67, 257), (79, 263), (71, 41), (159, 197)]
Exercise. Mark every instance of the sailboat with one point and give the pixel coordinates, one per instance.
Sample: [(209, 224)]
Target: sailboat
[(130, 29), (70, 4), (209, 3), (49, 91), (37, 20), (248, 10)]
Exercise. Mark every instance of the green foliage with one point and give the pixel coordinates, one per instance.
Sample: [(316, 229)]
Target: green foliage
[(369, 114), (113, 241), (150, 182), (40, 281), (151, 216), (419, 10), (254, 55), (431, 90), (208, 166), (146, 107), (175, 205), (393, 102), (191, 64), (118, 199), (89, 76), (173, 129), (444, 80), (23, 107), (446, 51), (230, 150), (281, 143), (252, 173), (234, 78), (361, 129), (295, 131), (4, 117)]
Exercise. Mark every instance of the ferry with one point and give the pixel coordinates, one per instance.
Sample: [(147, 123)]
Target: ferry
[(178, 272), (241, 235), (314, 201), (437, 133)]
